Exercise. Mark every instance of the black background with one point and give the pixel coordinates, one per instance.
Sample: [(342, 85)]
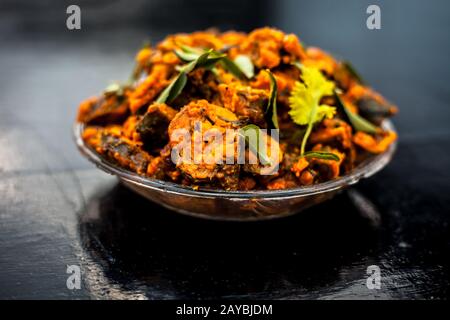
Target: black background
[(56, 209)]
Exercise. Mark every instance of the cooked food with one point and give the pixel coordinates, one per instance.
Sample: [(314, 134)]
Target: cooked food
[(237, 111)]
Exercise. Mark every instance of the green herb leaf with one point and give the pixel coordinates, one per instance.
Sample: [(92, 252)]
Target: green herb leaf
[(358, 123), (178, 84), (209, 59), (116, 88), (229, 65), (245, 64), (205, 59), (242, 67), (347, 65), (173, 89), (192, 50), (188, 67), (257, 148), (321, 155), (271, 109), (305, 100), (186, 56)]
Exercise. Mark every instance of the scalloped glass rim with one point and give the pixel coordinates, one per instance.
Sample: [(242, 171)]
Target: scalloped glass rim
[(366, 169)]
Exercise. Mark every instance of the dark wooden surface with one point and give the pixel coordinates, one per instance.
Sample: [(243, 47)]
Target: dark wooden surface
[(56, 209)]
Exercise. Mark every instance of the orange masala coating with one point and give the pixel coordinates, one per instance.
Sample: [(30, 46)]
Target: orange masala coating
[(130, 126)]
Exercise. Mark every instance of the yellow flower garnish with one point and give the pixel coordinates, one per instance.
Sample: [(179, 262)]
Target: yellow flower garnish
[(305, 98)]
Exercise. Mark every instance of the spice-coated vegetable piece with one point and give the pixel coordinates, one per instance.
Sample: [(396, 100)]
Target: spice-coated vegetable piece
[(333, 132), (245, 102), (199, 165), (152, 128), (375, 144), (107, 109), (149, 88), (111, 144)]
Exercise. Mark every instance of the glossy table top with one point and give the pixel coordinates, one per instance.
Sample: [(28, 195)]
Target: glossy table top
[(56, 209)]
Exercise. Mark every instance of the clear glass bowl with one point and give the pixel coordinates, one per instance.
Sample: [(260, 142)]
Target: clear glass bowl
[(235, 205)]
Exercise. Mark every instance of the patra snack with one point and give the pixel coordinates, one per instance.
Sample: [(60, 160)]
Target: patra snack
[(314, 117)]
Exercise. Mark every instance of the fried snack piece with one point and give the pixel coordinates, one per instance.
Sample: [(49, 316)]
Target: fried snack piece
[(268, 48), (334, 132), (285, 82), (327, 169), (129, 128), (321, 60), (370, 104), (148, 89), (110, 143), (232, 38), (152, 127), (143, 61), (287, 181), (273, 152), (143, 56), (375, 144), (198, 161), (245, 102), (299, 166), (312, 170), (201, 84), (106, 109), (209, 39), (162, 167)]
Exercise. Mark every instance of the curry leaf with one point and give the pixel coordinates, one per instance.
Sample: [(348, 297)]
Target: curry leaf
[(257, 147), (349, 67), (211, 59), (173, 89), (188, 67), (186, 56), (192, 50), (242, 67), (232, 67), (321, 155), (177, 85), (205, 59), (246, 65), (190, 54), (271, 109), (358, 123)]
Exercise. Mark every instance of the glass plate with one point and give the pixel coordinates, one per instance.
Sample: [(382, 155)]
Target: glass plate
[(235, 205)]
